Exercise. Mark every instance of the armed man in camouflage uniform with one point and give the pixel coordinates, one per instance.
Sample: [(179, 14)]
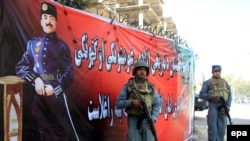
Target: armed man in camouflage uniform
[(212, 90), (138, 129), (47, 65)]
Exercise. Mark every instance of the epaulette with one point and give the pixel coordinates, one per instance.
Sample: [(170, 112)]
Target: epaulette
[(36, 38)]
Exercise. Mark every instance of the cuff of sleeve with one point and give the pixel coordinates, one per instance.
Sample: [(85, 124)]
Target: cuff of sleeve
[(30, 77), (58, 90)]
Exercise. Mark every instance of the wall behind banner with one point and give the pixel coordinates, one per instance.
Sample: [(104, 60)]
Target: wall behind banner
[(104, 53)]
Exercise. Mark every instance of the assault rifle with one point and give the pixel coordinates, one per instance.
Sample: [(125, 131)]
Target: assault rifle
[(146, 112), (224, 105)]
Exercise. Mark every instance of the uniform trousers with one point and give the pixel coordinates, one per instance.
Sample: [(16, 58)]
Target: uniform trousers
[(141, 134), (217, 122)]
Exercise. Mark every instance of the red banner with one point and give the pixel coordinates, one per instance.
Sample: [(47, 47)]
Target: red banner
[(104, 52)]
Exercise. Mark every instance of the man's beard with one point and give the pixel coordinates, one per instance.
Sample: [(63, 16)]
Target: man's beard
[(141, 77), (216, 77)]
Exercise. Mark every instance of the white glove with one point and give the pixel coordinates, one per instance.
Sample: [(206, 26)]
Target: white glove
[(39, 86)]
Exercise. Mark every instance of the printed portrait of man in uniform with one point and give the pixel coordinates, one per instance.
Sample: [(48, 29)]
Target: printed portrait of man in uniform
[(47, 66)]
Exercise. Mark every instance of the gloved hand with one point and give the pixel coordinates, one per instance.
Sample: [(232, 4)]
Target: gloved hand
[(216, 99), (136, 103)]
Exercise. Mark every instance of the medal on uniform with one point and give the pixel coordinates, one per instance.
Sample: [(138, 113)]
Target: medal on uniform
[(37, 50)]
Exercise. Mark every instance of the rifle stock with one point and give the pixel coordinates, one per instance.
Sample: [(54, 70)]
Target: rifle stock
[(152, 128), (226, 109)]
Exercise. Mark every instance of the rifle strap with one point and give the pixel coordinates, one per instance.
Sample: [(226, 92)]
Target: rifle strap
[(142, 116)]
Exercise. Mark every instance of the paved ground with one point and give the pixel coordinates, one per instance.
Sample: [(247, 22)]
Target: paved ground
[(239, 114), (200, 126)]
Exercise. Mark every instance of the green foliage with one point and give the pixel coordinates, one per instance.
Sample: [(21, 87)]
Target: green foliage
[(78, 4), (239, 86)]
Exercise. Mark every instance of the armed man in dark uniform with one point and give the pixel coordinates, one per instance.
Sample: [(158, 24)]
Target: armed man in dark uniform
[(213, 90), (139, 89), (47, 65)]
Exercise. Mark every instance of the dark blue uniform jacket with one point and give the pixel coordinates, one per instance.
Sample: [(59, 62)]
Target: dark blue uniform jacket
[(47, 57)]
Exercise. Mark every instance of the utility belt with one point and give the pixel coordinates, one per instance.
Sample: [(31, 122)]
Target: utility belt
[(133, 111), (49, 77), (213, 101)]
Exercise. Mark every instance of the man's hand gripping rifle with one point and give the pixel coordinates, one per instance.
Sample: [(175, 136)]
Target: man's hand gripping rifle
[(146, 112), (224, 105)]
